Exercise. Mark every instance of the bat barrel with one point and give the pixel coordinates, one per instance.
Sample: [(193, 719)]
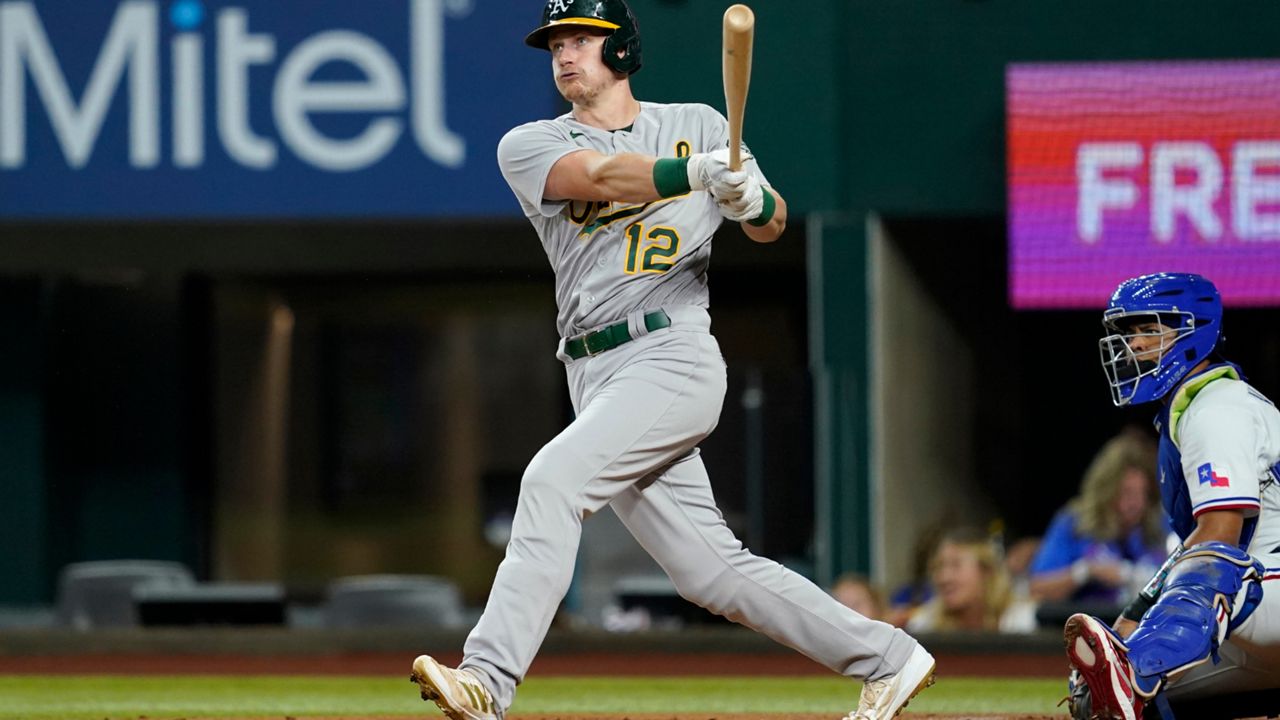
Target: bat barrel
[(739, 32), (739, 18)]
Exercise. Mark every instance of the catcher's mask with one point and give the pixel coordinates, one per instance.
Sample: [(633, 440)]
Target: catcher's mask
[(1189, 311)]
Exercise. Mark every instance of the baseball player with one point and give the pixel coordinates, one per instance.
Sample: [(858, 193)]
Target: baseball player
[(1208, 624), (625, 196)]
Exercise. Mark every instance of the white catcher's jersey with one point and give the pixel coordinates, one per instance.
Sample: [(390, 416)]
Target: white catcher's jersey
[(1229, 436), (1230, 439), (612, 258)]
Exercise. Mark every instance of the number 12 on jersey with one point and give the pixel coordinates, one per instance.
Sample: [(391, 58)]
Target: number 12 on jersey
[(651, 252)]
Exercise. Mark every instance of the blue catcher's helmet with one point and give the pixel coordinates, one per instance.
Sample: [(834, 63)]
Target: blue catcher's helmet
[(1144, 362)]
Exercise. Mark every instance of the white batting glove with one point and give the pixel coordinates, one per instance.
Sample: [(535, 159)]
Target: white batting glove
[(707, 168), (741, 201), (729, 186)]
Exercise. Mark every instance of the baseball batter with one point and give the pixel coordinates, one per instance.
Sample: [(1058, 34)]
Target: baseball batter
[(1208, 625), (625, 197)]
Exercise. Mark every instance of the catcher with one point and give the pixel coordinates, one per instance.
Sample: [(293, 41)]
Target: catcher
[(1208, 623)]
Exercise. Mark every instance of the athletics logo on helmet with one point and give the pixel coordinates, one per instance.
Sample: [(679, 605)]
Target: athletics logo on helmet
[(621, 48), (1159, 327)]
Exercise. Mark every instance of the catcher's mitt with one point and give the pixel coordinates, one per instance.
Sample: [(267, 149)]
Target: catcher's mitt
[(1078, 701)]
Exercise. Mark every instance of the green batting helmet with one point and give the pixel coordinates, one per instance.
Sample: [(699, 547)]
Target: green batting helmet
[(621, 48)]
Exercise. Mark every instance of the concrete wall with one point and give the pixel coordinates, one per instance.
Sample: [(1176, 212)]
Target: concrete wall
[(923, 438)]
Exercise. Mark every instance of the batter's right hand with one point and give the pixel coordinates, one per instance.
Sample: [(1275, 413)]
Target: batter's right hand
[(708, 169), (740, 199)]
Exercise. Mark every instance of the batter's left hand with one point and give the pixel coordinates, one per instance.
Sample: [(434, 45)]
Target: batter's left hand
[(706, 170)]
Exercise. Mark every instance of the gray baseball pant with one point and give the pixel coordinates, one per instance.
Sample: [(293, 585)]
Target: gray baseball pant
[(641, 410)]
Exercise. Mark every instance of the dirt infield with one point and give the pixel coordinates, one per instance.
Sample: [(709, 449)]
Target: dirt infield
[(908, 715)]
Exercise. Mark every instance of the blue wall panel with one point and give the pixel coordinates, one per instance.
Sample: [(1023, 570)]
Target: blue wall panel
[(262, 108)]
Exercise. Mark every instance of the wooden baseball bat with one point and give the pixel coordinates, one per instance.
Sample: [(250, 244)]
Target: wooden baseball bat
[(739, 31)]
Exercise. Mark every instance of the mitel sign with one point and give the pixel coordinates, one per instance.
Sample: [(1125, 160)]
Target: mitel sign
[(270, 108)]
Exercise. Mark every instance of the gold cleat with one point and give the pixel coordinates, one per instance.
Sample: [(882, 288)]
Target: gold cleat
[(885, 699), (458, 693)]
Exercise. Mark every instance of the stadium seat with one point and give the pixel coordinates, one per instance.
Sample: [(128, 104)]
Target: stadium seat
[(260, 603), (394, 600), (100, 593), (657, 595)]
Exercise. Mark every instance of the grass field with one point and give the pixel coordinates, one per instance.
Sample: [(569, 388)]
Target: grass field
[(102, 697)]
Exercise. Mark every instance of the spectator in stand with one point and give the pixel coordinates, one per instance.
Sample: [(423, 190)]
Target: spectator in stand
[(1109, 537), (972, 589), (1017, 559), (905, 599), (856, 592)]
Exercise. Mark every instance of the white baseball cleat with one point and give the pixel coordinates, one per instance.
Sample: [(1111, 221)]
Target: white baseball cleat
[(458, 693), (885, 698)]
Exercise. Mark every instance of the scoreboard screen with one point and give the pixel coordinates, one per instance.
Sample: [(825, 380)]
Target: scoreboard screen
[(1121, 169)]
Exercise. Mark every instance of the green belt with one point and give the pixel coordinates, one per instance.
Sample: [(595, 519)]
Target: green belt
[(608, 338)]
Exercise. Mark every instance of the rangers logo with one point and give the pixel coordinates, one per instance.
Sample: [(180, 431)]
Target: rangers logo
[(558, 6)]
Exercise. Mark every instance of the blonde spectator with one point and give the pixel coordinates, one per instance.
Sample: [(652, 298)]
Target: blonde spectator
[(907, 598), (972, 589), (1110, 537), (856, 592)]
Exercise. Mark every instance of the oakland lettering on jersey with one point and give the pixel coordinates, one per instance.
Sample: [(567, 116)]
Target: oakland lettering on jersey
[(590, 208), (131, 54)]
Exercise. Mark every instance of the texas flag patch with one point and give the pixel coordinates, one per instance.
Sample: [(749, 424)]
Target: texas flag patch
[(1211, 478)]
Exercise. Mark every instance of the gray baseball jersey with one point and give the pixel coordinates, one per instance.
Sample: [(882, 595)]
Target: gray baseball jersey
[(641, 410), (611, 258)]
